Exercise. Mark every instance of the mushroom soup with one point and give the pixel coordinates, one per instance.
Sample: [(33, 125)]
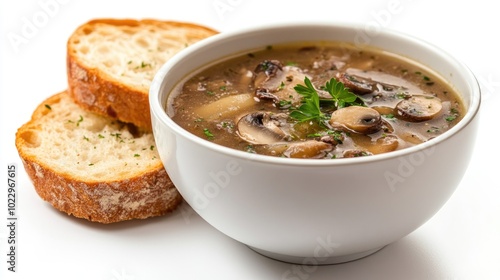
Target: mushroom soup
[(315, 100)]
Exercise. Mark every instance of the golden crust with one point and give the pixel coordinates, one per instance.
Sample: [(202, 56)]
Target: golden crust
[(97, 92), (149, 193)]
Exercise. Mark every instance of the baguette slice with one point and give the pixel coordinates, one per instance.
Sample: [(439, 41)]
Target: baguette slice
[(111, 63), (93, 167)]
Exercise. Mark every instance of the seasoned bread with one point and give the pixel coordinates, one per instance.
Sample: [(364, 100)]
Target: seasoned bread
[(111, 63), (93, 167)]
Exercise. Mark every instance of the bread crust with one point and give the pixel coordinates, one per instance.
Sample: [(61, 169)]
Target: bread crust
[(97, 92), (149, 195), (145, 194)]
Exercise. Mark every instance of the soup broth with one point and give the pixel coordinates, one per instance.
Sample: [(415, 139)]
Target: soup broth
[(322, 100)]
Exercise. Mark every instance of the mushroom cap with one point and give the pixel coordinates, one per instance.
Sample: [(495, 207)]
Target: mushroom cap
[(356, 84), (418, 108), (308, 149), (261, 128), (357, 119)]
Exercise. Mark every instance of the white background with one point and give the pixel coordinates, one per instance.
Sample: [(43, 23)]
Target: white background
[(461, 242)]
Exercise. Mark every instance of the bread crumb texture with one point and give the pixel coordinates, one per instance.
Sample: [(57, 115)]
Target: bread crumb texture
[(89, 146), (93, 167), (131, 51)]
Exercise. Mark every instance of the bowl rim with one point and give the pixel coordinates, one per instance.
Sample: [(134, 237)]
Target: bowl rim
[(159, 114)]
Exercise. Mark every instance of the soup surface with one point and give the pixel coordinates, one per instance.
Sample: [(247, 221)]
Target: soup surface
[(320, 100)]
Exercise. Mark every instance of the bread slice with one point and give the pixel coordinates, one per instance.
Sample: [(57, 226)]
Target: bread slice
[(111, 63), (93, 167)]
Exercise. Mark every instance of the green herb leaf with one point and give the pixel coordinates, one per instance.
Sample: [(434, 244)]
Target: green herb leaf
[(117, 135), (281, 86), (79, 121), (207, 133), (450, 118), (308, 90), (337, 136), (340, 94), (453, 115), (309, 110)]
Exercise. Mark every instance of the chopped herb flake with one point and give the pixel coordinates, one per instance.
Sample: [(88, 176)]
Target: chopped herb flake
[(390, 116), (79, 121), (450, 118), (250, 149), (433, 129), (117, 135), (207, 133)]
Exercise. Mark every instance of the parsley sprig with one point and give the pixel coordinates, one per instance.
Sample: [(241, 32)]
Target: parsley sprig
[(340, 94), (311, 109)]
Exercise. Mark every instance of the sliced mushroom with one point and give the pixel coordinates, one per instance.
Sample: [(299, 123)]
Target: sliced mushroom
[(262, 128), (357, 119), (269, 67), (418, 108), (412, 138), (275, 82), (266, 70), (355, 153), (384, 110), (356, 84), (308, 149), (264, 93), (383, 81), (333, 139), (225, 107), (376, 144), (386, 127), (384, 144)]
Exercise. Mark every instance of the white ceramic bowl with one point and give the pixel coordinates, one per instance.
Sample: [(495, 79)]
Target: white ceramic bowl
[(305, 210)]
